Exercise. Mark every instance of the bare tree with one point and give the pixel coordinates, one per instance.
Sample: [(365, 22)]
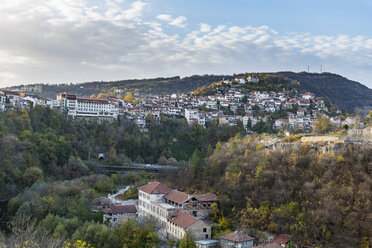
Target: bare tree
[(24, 233)]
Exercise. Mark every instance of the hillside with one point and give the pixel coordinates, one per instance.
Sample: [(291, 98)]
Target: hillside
[(155, 86), (339, 90), (320, 198)]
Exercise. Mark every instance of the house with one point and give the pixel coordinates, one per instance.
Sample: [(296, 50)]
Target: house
[(280, 123), (308, 96), (209, 243), (161, 202), (179, 223), (200, 205), (241, 81), (282, 239), (236, 239), (100, 203), (253, 79), (191, 115), (118, 213)]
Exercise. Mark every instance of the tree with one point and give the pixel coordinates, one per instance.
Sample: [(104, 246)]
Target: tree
[(103, 95), (75, 167), (249, 124), (187, 242), (197, 161), (32, 175), (129, 98), (132, 234), (322, 125)]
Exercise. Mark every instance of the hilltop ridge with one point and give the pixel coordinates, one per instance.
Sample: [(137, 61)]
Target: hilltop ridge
[(347, 94)]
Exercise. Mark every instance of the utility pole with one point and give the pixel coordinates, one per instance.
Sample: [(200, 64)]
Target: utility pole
[(308, 69), (321, 68)]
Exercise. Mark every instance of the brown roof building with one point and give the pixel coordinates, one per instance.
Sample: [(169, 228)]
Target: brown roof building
[(118, 213), (207, 197), (236, 239), (180, 222), (282, 239), (176, 196), (155, 188), (182, 219), (120, 209)]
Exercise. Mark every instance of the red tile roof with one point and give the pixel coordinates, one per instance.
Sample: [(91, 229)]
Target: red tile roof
[(182, 219), (118, 209), (177, 196), (237, 237), (281, 239), (155, 188), (207, 197)]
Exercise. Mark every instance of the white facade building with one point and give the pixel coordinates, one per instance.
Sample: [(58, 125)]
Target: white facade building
[(87, 107)]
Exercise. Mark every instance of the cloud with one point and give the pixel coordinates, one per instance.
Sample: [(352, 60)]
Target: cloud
[(178, 22), (164, 17), (205, 27), (136, 11), (79, 40)]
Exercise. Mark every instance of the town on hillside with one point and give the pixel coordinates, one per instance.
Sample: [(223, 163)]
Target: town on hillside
[(176, 214), (229, 102)]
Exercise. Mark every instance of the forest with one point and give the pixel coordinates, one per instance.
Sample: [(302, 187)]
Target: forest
[(46, 169), (323, 199), (47, 182)]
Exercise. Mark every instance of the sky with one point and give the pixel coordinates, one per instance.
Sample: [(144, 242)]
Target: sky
[(74, 41)]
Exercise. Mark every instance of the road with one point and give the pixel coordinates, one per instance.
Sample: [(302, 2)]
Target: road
[(114, 200), (103, 168)]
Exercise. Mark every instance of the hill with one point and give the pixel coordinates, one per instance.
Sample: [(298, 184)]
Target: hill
[(320, 198), (347, 94), (339, 90)]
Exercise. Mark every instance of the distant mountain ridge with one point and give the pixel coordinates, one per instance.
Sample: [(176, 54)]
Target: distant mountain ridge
[(347, 94)]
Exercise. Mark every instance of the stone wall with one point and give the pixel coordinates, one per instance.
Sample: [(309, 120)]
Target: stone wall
[(360, 134), (196, 230), (321, 139)]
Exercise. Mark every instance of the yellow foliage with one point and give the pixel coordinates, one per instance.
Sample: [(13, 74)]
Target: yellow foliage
[(102, 95), (320, 156), (331, 154), (340, 159), (77, 244), (129, 97), (259, 147), (247, 152)]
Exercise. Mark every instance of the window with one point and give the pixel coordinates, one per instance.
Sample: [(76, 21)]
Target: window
[(206, 236), (204, 229)]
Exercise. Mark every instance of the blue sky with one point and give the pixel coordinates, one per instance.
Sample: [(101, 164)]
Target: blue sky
[(63, 41), (330, 17)]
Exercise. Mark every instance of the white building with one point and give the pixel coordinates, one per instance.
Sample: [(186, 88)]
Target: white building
[(117, 214), (251, 79), (191, 115), (176, 212), (236, 239), (87, 107)]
